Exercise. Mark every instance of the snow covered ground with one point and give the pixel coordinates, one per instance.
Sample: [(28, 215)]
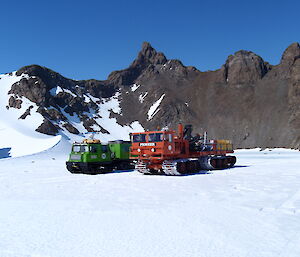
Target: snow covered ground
[(250, 210)]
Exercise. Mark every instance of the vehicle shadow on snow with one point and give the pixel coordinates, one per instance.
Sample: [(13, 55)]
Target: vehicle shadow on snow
[(5, 152), (240, 166), (201, 172), (207, 172), (120, 171), (113, 172)]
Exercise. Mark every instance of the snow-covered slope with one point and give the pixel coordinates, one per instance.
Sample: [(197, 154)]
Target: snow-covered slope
[(250, 210), (19, 136), (11, 116), (14, 143)]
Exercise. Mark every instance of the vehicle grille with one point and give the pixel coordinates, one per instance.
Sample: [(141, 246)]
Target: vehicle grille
[(76, 157)]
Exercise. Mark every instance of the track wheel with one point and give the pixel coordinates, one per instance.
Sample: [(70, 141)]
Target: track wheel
[(231, 160), (181, 167), (213, 163)]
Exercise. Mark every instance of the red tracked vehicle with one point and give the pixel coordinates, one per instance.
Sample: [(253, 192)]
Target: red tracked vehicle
[(165, 152)]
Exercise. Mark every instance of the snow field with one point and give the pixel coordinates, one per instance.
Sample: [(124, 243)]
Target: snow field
[(250, 210)]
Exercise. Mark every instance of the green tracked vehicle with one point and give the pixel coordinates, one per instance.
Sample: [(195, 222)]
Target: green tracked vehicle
[(93, 157)]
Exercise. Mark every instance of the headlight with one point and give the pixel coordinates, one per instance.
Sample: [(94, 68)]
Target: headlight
[(138, 149), (152, 150)]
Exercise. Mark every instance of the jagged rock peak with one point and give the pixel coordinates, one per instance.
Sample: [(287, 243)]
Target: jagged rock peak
[(245, 67), (38, 71), (244, 54), (148, 55), (32, 69), (291, 54)]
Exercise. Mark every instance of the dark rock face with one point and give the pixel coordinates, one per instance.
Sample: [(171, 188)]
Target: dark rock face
[(291, 54), (15, 103), (26, 113), (56, 96), (70, 128), (244, 68), (247, 100), (47, 128)]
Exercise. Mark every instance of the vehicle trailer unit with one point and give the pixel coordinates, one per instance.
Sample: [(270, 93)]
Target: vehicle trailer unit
[(93, 157), (165, 152)]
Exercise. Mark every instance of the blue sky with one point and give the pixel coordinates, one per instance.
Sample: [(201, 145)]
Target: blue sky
[(89, 39)]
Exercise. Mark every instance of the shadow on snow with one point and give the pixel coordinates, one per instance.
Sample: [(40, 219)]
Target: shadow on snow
[(5, 152)]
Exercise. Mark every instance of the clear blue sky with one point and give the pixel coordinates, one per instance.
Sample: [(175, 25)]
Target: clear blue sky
[(89, 39)]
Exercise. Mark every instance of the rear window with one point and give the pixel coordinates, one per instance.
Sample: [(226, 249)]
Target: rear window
[(155, 137), (139, 138)]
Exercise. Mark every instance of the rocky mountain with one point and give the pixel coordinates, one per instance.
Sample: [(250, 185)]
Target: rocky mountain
[(247, 100)]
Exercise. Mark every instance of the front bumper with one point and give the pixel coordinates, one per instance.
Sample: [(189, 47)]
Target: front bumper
[(78, 167)]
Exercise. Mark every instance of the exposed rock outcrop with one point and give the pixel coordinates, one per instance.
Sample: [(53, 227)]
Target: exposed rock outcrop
[(47, 128), (291, 54), (146, 57), (244, 68)]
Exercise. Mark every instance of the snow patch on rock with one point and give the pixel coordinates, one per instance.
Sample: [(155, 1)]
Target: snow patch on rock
[(116, 131), (135, 87), (56, 90), (142, 97), (154, 109)]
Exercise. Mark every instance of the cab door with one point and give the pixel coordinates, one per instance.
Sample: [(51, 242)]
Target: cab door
[(105, 155), (169, 146)]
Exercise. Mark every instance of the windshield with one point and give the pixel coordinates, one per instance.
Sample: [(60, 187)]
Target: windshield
[(155, 137), (139, 138), (80, 148)]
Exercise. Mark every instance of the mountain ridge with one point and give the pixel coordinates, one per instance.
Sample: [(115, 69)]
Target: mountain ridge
[(248, 100)]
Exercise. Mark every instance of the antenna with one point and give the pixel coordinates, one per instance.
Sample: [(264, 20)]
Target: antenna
[(92, 135), (205, 137)]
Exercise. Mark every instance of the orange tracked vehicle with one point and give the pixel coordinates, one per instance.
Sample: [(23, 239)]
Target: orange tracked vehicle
[(165, 152)]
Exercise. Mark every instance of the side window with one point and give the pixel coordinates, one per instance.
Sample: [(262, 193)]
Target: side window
[(155, 137), (93, 149), (170, 138), (84, 148), (104, 148)]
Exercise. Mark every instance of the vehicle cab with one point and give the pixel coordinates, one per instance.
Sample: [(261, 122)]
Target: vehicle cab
[(89, 152), (152, 144)]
